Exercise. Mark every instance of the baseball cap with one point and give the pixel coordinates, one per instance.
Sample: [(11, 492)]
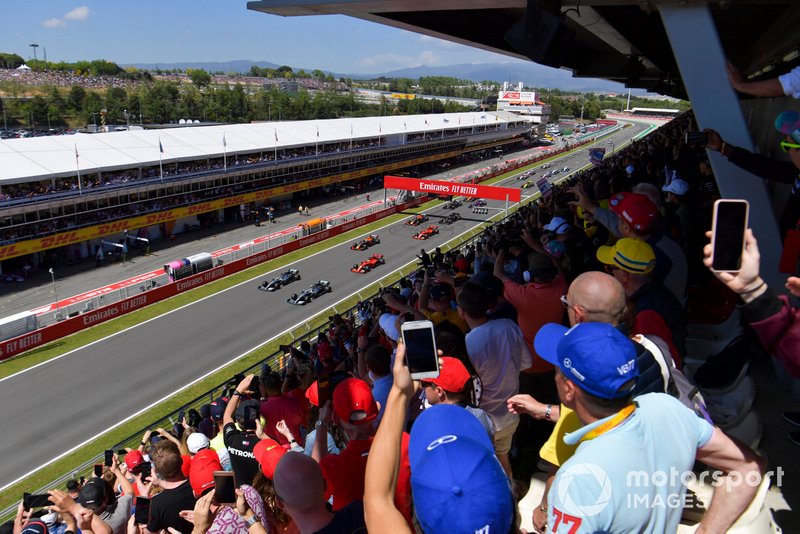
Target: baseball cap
[(312, 393), (596, 356), (196, 442), (218, 409), (452, 375), (201, 473), (635, 208), (629, 254), (93, 493), (630, 169), (439, 291), (324, 351), (388, 323), (353, 402), (268, 453), (788, 123), (555, 248), (457, 483), (133, 460), (36, 526), (677, 186), (558, 225)]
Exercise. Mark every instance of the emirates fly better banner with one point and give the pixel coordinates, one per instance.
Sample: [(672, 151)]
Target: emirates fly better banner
[(438, 187)]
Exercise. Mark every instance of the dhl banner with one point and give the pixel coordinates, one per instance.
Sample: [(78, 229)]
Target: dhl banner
[(101, 230), (438, 187)]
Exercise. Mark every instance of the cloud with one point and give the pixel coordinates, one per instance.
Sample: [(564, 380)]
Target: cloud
[(395, 61), (78, 14), (54, 23), (441, 43)]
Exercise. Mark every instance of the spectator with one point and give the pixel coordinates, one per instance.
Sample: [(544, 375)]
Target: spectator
[(679, 213), (786, 84), (240, 443), (465, 460), (312, 394), (216, 412), (596, 373), (499, 307), (498, 352), (632, 262), (379, 363), (303, 496), (98, 496), (424, 258), (279, 407), (176, 492)]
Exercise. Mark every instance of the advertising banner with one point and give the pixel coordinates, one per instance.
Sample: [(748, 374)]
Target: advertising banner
[(438, 187)]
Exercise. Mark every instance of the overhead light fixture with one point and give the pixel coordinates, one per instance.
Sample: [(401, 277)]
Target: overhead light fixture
[(791, 55)]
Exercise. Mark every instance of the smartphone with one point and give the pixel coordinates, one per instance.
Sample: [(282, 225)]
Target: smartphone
[(421, 356), (696, 138), (142, 513), (35, 500), (224, 488), (728, 227), (98, 470), (108, 460), (145, 471)]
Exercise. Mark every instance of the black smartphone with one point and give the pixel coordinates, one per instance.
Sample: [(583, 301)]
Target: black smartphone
[(145, 471), (142, 513), (224, 488), (255, 385), (35, 500), (728, 227), (108, 459), (696, 138), (98, 470)]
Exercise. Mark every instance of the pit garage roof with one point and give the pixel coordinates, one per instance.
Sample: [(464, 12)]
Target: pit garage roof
[(39, 158), (619, 40)]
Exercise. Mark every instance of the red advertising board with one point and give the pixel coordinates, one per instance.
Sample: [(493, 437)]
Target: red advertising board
[(438, 187)]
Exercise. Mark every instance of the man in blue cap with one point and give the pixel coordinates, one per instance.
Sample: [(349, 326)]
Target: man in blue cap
[(632, 458)]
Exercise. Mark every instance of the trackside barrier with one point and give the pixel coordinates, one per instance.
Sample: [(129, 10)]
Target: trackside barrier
[(273, 361)]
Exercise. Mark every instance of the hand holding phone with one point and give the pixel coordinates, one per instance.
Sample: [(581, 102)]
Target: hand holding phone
[(728, 227), (142, 513), (420, 345), (34, 500), (224, 488)]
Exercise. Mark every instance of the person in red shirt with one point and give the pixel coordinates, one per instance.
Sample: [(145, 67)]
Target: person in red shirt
[(355, 410), (279, 407)]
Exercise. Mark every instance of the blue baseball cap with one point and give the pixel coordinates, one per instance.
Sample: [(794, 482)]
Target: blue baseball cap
[(788, 123), (596, 356), (456, 480)]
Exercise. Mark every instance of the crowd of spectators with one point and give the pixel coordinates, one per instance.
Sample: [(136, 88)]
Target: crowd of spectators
[(65, 79), (565, 324)]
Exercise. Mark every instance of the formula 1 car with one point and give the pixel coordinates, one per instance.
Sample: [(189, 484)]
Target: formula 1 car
[(450, 219), (367, 242), (477, 203), (313, 292), (528, 184), (281, 280), (417, 220), (426, 233), (453, 204), (368, 264)]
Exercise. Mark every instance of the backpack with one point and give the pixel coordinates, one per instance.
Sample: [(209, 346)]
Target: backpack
[(678, 385)]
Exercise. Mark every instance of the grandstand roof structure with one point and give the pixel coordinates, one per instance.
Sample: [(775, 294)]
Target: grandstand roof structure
[(40, 158)]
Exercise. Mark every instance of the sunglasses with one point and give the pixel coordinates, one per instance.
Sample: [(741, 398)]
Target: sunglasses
[(786, 146)]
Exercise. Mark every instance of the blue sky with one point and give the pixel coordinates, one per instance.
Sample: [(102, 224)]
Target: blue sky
[(170, 31)]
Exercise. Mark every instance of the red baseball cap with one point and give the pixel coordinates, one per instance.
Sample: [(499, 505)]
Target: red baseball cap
[(312, 393), (201, 472), (268, 453), (635, 209), (133, 460), (452, 375), (352, 398)]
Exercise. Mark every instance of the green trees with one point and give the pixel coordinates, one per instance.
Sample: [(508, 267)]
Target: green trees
[(199, 77)]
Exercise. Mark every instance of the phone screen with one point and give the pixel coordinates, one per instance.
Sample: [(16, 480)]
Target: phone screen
[(421, 356), (109, 457), (145, 471), (224, 487), (730, 223), (142, 514), (32, 500)]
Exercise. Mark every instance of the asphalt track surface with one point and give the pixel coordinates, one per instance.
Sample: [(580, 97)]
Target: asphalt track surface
[(56, 407)]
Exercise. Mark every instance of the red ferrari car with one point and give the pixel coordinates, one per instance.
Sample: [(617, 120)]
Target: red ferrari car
[(368, 264), (417, 220), (364, 244), (426, 233)]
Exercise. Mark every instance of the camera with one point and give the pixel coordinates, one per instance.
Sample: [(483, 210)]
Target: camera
[(696, 138)]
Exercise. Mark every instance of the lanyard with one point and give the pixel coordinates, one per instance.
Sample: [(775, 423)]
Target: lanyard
[(612, 422)]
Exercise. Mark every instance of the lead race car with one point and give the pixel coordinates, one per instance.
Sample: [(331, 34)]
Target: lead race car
[(368, 264), (367, 242), (426, 233), (307, 295), (281, 280), (417, 220)]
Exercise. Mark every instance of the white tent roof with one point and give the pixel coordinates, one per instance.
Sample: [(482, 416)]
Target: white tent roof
[(39, 158)]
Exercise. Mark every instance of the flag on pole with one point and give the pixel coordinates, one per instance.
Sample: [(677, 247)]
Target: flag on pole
[(160, 146), (224, 143), (317, 131), (596, 156), (76, 152), (276, 135), (78, 168)]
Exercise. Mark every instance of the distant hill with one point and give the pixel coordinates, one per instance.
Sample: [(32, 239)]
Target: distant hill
[(531, 74)]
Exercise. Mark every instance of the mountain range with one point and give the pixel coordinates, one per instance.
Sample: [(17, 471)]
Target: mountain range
[(531, 74)]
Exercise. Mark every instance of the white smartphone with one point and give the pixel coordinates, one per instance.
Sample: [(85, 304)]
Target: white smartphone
[(728, 227), (421, 356)]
